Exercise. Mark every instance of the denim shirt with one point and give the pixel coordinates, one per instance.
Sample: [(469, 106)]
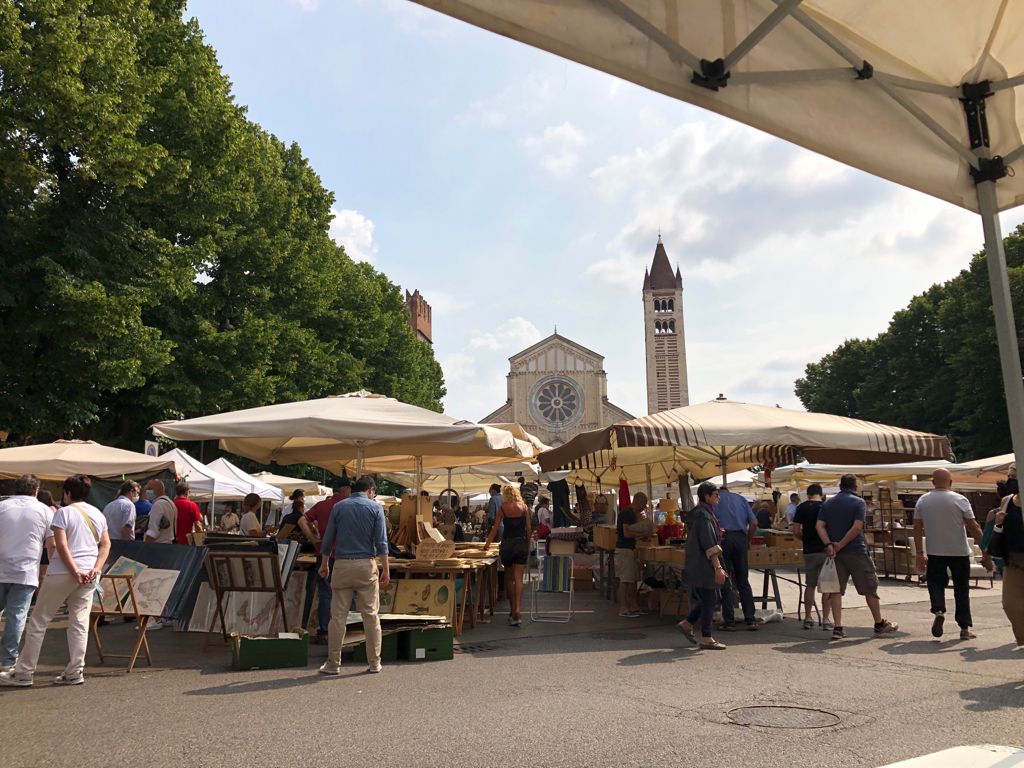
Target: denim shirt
[(355, 529)]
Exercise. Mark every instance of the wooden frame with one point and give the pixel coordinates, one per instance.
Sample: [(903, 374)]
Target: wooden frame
[(124, 604), (243, 572)]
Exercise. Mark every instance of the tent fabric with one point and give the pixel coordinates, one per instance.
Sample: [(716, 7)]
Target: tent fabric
[(63, 458), (288, 484), (333, 433), (264, 490), (867, 472), (469, 478), (203, 481), (722, 436), (806, 79)]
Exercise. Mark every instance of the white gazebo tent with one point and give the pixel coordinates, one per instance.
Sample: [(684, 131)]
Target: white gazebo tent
[(288, 484), (920, 92), (63, 458), (264, 490)]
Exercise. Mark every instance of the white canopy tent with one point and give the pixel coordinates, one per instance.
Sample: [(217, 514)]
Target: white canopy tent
[(204, 482), (63, 458), (264, 490), (288, 484), (921, 92)]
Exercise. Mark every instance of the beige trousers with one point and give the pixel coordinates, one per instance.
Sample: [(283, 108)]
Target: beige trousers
[(1013, 600), (55, 589), (359, 578)]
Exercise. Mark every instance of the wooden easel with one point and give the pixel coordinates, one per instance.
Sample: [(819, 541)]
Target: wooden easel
[(123, 604), (243, 572)]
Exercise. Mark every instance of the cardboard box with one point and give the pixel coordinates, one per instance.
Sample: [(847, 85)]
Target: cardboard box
[(647, 541), (678, 557), (605, 536), (785, 540), (675, 604), (583, 584), (663, 554), (561, 547), (436, 644), (645, 554), (289, 649)]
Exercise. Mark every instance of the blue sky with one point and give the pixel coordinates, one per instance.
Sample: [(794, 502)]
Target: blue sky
[(518, 191)]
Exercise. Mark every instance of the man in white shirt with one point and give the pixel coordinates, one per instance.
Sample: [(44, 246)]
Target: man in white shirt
[(120, 513), (24, 530), (946, 518), (544, 512), (163, 517), (794, 501)]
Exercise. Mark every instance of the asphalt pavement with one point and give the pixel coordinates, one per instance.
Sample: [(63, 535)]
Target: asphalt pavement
[(599, 691)]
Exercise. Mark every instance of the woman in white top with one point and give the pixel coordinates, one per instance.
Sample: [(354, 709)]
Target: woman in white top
[(250, 524), (81, 543)]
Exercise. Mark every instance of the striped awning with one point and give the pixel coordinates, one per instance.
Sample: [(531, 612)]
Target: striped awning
[(719, 436)]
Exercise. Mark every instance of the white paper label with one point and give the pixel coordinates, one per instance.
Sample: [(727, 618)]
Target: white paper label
[(421, 653)]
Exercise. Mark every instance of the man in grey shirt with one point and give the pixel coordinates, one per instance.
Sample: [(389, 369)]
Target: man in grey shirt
[(946, 518), (356, 536)]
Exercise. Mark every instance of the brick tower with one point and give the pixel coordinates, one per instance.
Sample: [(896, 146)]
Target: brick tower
[(665, 340), (419, 316)]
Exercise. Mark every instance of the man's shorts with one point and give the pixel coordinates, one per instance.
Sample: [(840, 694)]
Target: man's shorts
[(858, 566), (626, 568), (812, 566)]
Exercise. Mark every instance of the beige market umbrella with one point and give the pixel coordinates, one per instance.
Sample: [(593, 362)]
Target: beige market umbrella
[(63, 458), (925, 93), (807, 472), (288, 484), (360, 431), (723, 436)]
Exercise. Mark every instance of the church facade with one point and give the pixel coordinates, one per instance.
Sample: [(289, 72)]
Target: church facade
[(557, 389)]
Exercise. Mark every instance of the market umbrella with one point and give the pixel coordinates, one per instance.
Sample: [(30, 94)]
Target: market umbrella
[(262, 489), (63, 458), (723, 436), (468, 479), (919, 92), (360, 431), (288, 484), (806, 471)]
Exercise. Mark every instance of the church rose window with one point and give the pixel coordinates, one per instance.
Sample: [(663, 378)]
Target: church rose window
[(557, 402)]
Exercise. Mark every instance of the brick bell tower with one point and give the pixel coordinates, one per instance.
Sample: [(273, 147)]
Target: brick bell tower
[(664, 337)]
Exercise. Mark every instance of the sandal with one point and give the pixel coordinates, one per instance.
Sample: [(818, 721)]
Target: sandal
[(714, 645), (687, 632)]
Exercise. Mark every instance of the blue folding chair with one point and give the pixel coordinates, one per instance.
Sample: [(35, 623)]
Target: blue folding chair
[(555, 578)]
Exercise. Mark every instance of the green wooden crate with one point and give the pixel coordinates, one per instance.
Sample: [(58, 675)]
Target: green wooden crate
[(436, 644), (388, 649), (269, 652)]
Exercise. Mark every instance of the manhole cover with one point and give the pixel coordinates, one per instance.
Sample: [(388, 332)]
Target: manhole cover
[(780, 716), (618, 635), (475, 648)]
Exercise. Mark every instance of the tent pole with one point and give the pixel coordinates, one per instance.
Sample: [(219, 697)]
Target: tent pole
[(1002, 308), (725, 463), (359, 462), (650, 487)]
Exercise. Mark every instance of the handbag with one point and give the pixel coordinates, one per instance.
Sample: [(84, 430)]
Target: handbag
[(828, 579)]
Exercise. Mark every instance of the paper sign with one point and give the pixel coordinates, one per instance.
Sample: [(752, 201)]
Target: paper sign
[(435, 550)]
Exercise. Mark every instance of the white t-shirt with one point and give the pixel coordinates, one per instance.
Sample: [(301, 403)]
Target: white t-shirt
[(943, 514), (119, 513), (790, 513), (83, 545), (24, 528), (229, 521), (163, 507), (250, 521), (544, 515)]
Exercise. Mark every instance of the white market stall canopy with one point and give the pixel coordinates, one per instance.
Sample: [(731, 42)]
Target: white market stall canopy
[(808, 472), (469, 478), (63, 458), (203, 481), (264, 490), (925, 93), (288, 484), (345, 431)]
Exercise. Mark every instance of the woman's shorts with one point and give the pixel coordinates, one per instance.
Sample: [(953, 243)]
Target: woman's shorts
[(514, 552)]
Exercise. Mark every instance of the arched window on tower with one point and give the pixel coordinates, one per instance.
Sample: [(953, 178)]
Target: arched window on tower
[(657, 306), (657, 327), (671, 305), (671, 326)]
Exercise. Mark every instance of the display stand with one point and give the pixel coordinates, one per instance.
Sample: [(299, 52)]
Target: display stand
[(119, 600), (229, 572)]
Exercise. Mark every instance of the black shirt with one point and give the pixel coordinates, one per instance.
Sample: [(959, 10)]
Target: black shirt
[(626, 517), (807, 516)]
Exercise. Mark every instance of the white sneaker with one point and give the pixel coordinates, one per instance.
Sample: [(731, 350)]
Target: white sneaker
[(8, 679), (828, 625), (65, 679), (327, 668), (375, 670)]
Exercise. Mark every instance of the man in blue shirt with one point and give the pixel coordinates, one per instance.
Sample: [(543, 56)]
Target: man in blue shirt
[(841, 529), (356, 536), (493, 506), (739, 522)]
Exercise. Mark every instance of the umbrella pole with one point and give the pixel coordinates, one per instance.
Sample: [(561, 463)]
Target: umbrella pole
[(650, 487), (359, 462), (724, 464), (1002, 308)]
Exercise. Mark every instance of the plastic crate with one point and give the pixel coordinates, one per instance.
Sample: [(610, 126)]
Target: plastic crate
[(388, 649), (437, 644), (269, 652)]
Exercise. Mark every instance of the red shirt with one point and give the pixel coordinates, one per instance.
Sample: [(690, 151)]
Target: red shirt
[(320, 512), (188, 516)]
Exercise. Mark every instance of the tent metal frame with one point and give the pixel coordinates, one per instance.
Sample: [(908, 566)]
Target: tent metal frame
[(986, 169)]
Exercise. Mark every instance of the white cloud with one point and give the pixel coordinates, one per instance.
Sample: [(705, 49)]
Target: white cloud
[(514, 334), (524, 98), (306, 5), (557, 148), (354, 232)]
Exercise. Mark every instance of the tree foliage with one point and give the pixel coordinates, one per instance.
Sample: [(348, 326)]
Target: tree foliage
[(164, 256), (935, 368)]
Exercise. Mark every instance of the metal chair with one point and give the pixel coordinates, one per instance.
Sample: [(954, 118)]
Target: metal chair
[(555, 578)]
